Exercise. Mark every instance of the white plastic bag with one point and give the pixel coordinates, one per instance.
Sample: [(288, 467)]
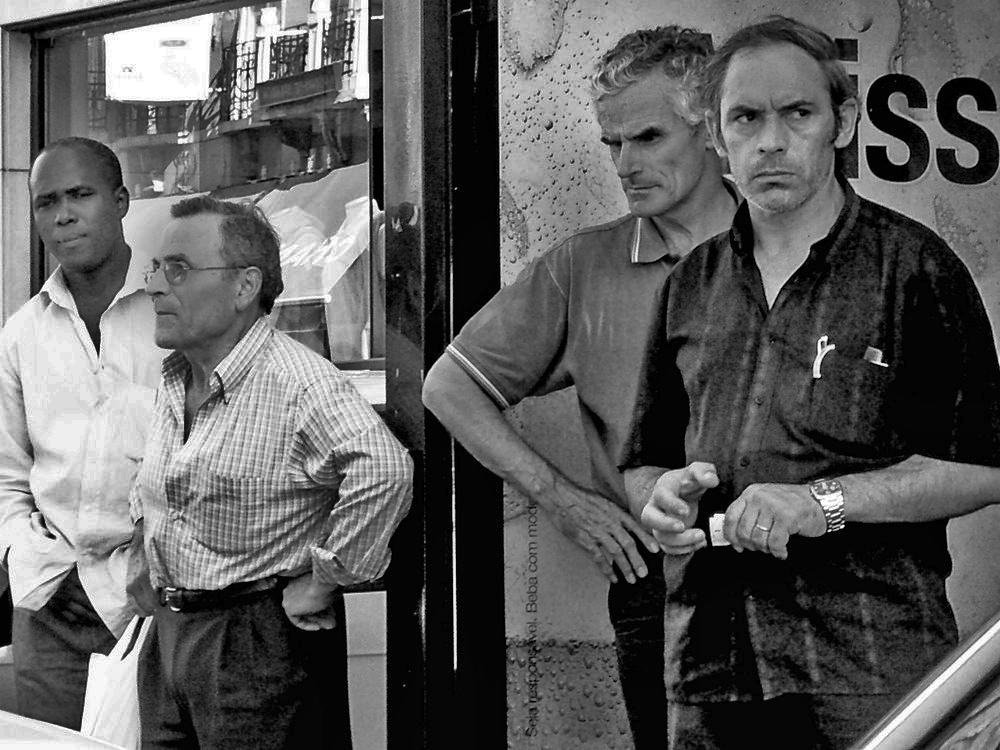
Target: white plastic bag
[(111, 705)]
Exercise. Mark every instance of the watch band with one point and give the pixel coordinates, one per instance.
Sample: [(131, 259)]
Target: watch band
[(830, 495)]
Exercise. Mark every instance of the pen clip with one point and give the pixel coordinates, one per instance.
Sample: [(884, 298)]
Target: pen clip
[(823, 347)]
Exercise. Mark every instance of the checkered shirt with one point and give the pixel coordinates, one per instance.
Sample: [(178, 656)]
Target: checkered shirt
[(285, 468)]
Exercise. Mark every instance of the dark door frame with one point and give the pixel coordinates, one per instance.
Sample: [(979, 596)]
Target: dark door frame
[(442, 248)]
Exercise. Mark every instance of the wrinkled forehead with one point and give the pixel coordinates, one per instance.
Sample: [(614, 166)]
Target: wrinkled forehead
[(651, 100), (774, 75), (66, 167), (194, 239)]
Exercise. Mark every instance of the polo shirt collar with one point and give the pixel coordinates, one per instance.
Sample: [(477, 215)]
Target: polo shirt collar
[(647, 244), (741, 236), (234, 367)]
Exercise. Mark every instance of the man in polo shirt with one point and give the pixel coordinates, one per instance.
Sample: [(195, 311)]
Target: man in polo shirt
[(834, 363), (579, 315)]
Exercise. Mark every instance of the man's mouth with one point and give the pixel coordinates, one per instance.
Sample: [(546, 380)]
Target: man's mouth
[(772, 173)]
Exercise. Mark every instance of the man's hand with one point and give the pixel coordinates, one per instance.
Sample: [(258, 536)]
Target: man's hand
[(765, 516), (308, 606), (605, 531), (673, 507), (137, 584)]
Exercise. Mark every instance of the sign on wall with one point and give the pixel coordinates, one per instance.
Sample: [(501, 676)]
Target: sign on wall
[(167, 62)]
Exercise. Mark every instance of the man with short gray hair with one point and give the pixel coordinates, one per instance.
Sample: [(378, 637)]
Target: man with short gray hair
[(578, 315)]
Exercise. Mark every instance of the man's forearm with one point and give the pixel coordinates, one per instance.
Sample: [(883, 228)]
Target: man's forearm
[(478, 424), (919, 489)]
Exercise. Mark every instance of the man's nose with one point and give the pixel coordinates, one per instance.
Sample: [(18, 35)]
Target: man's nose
[(156, 282), (626, 163), (773, 135), (64, 213)]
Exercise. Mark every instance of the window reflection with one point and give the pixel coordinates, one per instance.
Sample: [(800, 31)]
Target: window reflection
[(269, 103)]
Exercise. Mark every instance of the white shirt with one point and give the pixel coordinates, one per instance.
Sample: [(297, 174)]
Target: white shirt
[(73, 425)]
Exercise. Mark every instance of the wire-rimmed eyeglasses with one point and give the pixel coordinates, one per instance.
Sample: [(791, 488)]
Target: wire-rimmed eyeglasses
[(176, 271)]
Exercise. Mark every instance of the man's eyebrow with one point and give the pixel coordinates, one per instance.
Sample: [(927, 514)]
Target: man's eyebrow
[(798, 104), (738, 110), (647, 132), (172, 257)]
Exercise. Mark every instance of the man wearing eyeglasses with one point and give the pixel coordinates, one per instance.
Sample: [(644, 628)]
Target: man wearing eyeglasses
[(268, 484), (78, 369)]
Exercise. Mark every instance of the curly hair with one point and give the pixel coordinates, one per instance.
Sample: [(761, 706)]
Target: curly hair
[(680, 53)]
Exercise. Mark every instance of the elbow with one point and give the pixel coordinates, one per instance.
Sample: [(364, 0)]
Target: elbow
[(436, 391)]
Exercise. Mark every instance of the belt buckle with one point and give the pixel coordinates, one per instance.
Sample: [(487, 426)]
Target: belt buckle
[(173, 597)]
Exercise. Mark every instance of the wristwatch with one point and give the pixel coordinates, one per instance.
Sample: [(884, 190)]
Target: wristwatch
[(830, 496)]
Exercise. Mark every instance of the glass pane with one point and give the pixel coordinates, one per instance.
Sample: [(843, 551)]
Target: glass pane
[(267, 103)]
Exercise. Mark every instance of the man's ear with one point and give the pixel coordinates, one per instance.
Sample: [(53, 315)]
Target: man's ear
[(848, 112), (714, 135), (249, 289), (122, 199)]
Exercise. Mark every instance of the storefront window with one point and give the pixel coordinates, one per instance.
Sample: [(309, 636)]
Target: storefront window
[(266, 103)]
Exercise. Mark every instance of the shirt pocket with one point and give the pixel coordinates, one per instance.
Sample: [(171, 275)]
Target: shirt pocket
[(233, 516), (846, 409)]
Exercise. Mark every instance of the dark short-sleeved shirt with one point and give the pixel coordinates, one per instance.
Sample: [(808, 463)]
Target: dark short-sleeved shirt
[(914, 371), (578, 314)]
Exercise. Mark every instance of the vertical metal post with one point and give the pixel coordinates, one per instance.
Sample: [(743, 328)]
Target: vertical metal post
[(446, 626), (418, 237)]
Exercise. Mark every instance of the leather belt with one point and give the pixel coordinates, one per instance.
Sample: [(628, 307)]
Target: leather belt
[(194, 600)]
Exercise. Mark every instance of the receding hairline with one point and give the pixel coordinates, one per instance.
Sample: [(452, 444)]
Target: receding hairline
[(748, 51)]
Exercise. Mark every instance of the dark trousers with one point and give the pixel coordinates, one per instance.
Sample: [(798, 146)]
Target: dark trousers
[(792, 722), (52, 649), (636, 612), (242, 677)]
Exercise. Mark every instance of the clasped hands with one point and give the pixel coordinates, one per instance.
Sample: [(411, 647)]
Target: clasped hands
[(762, 519)]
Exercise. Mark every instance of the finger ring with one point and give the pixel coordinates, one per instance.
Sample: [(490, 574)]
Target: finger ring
[(765, 529)]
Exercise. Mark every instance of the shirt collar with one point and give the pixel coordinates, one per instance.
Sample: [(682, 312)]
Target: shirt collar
[(232, 370), (647, 243), (741, 233), (57, 291)]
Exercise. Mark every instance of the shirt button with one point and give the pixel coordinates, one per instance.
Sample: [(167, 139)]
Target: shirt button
[(744, 461), (758, 400)]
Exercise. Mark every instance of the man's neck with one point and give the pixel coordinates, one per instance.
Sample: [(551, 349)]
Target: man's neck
[(794, 232), (707, 211), (93, 290), (205, 358), (782, 241)]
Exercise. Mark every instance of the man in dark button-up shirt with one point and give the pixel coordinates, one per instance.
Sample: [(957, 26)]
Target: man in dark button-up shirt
[(826, 360)]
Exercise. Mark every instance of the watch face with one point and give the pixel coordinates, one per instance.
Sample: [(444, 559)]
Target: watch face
[(826, 486)]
